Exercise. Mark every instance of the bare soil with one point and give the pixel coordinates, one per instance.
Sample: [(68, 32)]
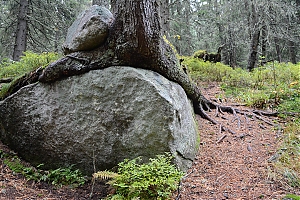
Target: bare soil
[(228, 166)]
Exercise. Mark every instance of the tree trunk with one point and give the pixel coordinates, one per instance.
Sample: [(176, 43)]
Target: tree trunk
[(165, 17), (253, 50), (254, 39), (187, 35), (21, 31), (231, 52), (292, 52), (138, 39), (277, 47), (263, 44)]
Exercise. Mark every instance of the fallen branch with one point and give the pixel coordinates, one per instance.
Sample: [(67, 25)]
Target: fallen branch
[(222, 138)]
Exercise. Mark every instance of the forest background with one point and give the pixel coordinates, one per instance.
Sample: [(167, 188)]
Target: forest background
[(249, 32)]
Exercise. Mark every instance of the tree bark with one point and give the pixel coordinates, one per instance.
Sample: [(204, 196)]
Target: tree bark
[(21, 32), (292, 52), (164, 17), (254, 39), (263, 44), (277, 47), (187, 35), (231, 53)]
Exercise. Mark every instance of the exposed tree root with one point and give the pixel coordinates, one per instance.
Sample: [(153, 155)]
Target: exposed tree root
[(208, 106)]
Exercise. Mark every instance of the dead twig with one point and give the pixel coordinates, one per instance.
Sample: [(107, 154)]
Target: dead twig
[(262, 126), (222, 138), (249, 148)]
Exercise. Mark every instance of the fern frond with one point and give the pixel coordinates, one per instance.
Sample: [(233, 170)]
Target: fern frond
[(104, 175)]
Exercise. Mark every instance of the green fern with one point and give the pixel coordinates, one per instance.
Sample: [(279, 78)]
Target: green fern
[(105, 175)]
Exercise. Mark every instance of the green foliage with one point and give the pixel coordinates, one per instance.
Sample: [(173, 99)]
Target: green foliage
[(237, 78), (4, 89), (291, 197), (14, 164), (65, 176), (154, 180), (30, 61), (288, 163), (59, 177), (275, 85), (206, 71), (199, 53)]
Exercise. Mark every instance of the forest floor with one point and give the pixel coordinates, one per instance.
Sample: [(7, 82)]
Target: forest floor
[(228, 165)]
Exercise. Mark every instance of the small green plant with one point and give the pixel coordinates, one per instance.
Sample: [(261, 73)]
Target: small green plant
[(199, 53), (65, 176), (291, 197), (14, 164), (59, 177), (154, 180)]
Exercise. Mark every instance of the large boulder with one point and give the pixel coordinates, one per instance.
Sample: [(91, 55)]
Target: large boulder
[(103, 116), (89, 30)]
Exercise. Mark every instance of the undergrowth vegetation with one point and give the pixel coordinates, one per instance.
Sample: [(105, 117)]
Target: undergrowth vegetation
[(156, 179), (273, 86), (288, 164), (57, 177)]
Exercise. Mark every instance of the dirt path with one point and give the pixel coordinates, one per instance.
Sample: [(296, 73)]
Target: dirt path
[(234, 167)]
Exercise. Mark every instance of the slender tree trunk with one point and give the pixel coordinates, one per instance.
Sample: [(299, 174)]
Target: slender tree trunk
[(225, 51), (187, 35), (263, 44), (231, 53), (292, 52), (253, 50), (21, 32), (294, 46), (277, 47), (254, 39)]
